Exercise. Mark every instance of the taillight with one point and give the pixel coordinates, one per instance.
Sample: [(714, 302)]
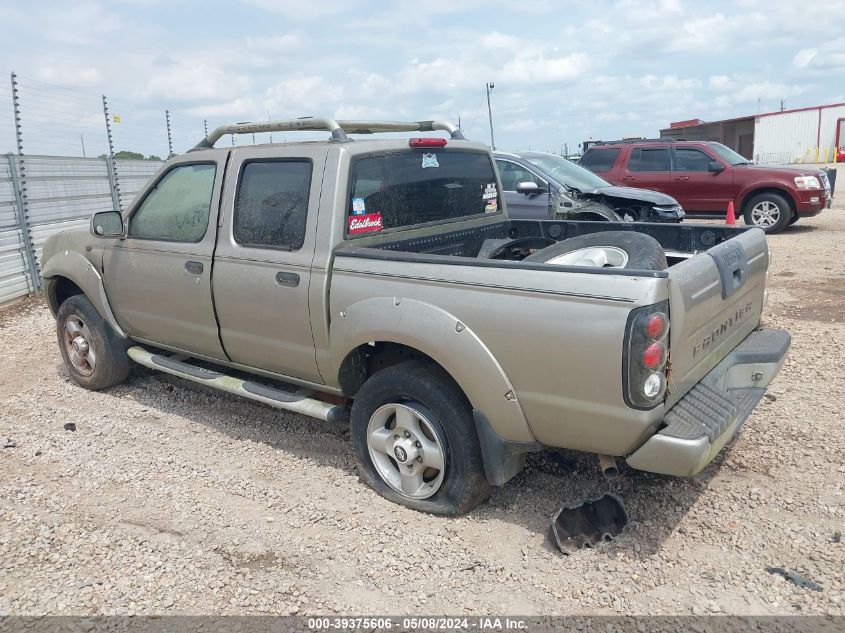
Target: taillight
[(432, 141), (645, 356)]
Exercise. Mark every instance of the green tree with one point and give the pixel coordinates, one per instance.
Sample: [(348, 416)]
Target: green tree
[(126, 155)]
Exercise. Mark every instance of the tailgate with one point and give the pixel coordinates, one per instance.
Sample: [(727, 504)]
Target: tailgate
[(715, 301)]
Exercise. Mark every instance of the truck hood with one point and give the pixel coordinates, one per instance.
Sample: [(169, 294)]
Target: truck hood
[(632, 193)]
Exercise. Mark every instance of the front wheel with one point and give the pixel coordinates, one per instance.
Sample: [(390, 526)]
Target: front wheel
[(768, 211), (94, 355), (414, 438)]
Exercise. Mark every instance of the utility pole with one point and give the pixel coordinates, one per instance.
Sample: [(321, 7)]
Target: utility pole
[(781, 105), (490, 85), (82, 140)]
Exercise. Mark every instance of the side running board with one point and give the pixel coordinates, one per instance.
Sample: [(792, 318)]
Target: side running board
[(289, 401)]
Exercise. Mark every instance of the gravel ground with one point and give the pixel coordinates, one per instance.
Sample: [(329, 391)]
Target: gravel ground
[(171, 500)]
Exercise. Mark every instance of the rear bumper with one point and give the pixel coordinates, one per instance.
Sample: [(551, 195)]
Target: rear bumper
[(711, 413)]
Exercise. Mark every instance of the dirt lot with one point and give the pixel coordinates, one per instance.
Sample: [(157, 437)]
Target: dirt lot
[(166, 499)]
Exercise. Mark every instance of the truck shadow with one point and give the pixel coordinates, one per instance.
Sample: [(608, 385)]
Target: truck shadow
[(656, 505)]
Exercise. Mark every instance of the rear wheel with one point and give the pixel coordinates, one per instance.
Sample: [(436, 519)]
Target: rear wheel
[(768, 211), (94, 355), (611, 249), (414, 438)]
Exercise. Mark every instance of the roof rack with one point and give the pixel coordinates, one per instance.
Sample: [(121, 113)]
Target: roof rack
[(633, 141), (338, 129)]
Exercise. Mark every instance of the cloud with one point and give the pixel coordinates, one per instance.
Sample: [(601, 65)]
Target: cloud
[(195, 81), (304, 96), (68, 74), (237, 108)]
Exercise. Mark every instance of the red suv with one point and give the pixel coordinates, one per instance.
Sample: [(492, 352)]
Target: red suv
[(703, 176)]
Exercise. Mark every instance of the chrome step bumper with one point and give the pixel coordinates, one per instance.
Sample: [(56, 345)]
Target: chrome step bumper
[(711, 413)]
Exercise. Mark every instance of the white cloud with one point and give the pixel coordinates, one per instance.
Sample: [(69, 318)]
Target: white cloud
[(195, 81), (236, 108), (68, 74)]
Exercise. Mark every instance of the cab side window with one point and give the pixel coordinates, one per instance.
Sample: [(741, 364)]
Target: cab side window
[(177, 208), (271, 208), (513, 174), (691, 159)]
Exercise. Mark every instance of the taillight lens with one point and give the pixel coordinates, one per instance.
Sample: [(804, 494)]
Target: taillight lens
[(654, 356), (645, 356), (656, 325)]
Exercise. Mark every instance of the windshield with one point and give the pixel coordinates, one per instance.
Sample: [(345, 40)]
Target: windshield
[(565, 171), (728, 155), (418, 187)]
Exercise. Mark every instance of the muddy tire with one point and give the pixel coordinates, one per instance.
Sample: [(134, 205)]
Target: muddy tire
[(94, 355), (611, 249), (415, 441), (768, 211)]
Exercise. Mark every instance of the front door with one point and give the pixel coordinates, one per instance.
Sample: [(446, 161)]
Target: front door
[(647, 168), (523, 206), (158, 278), (697, 188), (262, 267)]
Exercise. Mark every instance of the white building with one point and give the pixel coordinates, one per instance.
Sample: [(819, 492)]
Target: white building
[(802, 135)]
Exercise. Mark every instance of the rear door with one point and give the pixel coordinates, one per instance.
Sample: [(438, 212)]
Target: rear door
[(648, 167), (262, 265), (695, 186), (522, 206), (158, 278)]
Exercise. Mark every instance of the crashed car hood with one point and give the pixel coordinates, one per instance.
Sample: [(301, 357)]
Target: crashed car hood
[(632, 193)]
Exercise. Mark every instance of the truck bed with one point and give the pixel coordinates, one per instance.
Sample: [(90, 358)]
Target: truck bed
[(572, 359), (679, 241)]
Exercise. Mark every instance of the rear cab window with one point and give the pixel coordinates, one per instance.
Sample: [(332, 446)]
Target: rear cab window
[(599, 160), (403, 189)]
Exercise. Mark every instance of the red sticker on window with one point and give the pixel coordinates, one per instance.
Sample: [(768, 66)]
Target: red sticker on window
[(365, 223)]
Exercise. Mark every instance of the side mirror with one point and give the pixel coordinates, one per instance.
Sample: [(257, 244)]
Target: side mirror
[(107, 224), (528, 188), (715, 167)]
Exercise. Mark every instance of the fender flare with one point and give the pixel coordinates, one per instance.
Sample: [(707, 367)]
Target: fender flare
[(73, 266), (444, 338)]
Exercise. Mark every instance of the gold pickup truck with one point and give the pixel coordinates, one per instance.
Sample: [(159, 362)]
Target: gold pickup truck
[(381, 280)]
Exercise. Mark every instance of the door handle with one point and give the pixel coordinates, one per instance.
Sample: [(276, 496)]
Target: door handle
[(681, 178), (629, 178), (291, 280), (193, 268)]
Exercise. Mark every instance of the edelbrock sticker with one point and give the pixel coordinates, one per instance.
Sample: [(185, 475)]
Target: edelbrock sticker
[(365, 223), (358, 207), (429, 160)]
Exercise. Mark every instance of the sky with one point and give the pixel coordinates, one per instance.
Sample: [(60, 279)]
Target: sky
[(563, 71)]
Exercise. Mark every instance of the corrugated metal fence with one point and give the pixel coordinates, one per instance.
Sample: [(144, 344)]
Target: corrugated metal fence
[(48, 194)]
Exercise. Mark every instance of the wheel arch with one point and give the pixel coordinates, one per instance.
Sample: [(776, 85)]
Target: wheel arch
[(747, 196), (394, 329), (67, 274)]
